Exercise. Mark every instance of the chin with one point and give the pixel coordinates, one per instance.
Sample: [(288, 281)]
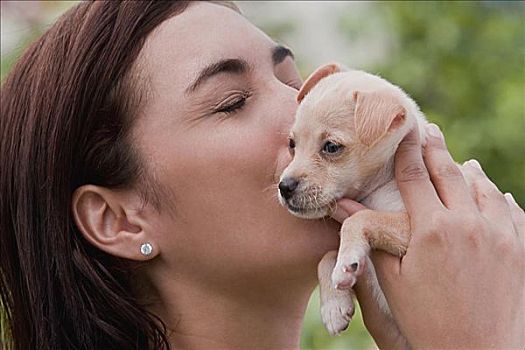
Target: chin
[(309, 213)]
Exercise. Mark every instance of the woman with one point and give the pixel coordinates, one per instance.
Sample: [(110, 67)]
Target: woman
[(141, 144)]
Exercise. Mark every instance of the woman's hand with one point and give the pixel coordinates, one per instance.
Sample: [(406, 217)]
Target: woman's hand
[(462, 282)]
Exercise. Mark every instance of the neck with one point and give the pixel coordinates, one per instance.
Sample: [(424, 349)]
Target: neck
[(385, 174), (268, 316), (381, 177)]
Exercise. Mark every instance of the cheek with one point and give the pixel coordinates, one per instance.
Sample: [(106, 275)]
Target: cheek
[(233, 163)]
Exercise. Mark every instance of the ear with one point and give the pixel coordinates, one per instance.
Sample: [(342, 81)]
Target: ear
[(107, 220), (375, 114), (316, 76)]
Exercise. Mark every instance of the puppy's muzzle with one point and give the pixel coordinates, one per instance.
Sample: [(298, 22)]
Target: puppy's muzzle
[(287, 187)]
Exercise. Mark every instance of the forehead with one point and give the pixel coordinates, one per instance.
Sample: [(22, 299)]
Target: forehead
[(203, 33), (327, 112)]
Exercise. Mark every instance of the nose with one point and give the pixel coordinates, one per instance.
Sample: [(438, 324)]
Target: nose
[(287, 186)]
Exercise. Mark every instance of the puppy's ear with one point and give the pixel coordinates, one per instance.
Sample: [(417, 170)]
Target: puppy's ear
[(375, 114), (316, 76)]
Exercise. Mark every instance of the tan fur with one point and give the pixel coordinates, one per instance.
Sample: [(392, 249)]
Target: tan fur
[(376, 113), (369, 117), (314, 78)]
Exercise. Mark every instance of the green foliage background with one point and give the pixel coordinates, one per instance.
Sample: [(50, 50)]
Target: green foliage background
[(464, 63)]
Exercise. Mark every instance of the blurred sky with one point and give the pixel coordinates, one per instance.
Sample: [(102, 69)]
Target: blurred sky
[(312, 29), (20, 19)]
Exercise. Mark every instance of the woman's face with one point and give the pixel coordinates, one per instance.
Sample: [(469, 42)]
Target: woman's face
[(214, 133)]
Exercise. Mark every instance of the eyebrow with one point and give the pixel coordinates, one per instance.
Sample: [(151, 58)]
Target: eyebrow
[(236, 66), (279, 53)]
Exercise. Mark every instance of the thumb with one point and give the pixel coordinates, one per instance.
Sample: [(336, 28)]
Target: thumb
[(345, 208)]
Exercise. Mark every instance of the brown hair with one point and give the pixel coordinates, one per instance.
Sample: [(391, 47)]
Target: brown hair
[(66, 111)]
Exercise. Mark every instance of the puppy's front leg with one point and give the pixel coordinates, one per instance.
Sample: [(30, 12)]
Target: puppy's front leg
[(337, 306), (364, 230)]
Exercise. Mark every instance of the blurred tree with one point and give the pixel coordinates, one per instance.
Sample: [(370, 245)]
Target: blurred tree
[(464, 63)]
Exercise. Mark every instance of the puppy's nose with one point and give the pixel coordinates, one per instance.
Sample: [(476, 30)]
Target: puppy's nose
[(287, 186)]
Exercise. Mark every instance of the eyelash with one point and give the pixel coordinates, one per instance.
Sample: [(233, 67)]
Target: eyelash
[(239, 103), (236, 105)]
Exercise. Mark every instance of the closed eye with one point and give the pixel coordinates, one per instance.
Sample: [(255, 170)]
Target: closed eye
[(233, 104)]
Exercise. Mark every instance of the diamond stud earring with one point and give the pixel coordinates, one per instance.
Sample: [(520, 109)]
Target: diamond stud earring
[(146, 249)]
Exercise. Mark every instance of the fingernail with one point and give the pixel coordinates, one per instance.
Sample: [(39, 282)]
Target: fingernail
[(510, 198), (433, 130), (474, 163)]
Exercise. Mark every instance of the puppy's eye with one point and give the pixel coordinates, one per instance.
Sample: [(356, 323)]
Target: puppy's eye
[(332, 147)]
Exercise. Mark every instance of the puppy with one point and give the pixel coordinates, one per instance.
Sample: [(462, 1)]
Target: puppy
[(348, 126)]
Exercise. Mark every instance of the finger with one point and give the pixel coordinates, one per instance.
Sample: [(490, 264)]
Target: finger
[(518, 216), (490, 201), (345, 208), (445, 173), (413, 180), (380, 324)]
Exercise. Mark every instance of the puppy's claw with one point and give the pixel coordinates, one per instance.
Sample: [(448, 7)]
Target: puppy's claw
[(348, 268), (353, 268)]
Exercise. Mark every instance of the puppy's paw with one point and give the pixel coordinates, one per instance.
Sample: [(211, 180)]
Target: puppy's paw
[(337, 312), (348, 268)]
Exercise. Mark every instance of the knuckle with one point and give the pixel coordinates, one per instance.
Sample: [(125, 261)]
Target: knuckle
[(450, 170), (437, 229), (518, 213), (489, 189), (472, 224), (468, 174), (409, 146), (408, 149), (472, 173), (412, 172), (489, 195), (473, 238), (435, 144), (484, 184), (439, 220), (506, 247), (473, 228), (444, 225)]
